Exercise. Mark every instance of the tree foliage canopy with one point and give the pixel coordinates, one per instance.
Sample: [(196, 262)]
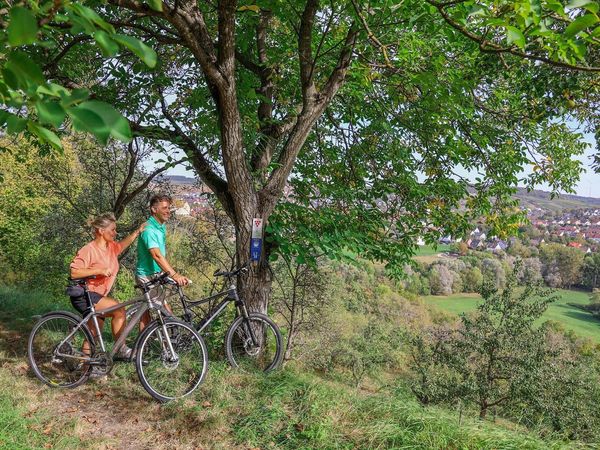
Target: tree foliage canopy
[(388, 120)]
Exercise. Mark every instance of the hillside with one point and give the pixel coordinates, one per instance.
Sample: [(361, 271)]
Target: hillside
[(541, 199), (290, 409)]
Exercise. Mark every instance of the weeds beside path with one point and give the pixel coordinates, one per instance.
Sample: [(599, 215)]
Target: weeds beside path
[(289, 409)]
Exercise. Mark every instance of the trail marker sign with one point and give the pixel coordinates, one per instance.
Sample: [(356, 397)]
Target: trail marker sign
[(257, 238)]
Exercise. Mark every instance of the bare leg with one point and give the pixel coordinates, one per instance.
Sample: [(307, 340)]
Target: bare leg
[(118, 316), (92, 328), (144, 321)]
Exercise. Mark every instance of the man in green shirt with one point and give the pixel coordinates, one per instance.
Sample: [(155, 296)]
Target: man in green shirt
[(151, 250)]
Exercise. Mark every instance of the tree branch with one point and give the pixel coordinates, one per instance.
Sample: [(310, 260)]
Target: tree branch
[(310, 113), (201, 164), (226, 31), (305, 49), (487, 46)]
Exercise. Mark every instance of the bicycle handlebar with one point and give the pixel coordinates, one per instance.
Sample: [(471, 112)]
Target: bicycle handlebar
[(162, 278), (222, 273)]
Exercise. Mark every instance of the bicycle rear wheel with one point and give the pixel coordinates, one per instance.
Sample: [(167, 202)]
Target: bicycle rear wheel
[(261, 354), (166, 375), (55, 360)]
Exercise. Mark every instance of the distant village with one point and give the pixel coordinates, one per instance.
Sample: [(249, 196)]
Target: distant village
[(579, 228)]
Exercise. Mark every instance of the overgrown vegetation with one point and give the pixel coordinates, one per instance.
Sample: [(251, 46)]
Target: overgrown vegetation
[(350, 333), (290, 409)]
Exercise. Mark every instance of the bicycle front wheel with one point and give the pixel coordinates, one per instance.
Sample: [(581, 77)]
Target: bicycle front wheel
[(56, 352), (254, 343), (171, 360)]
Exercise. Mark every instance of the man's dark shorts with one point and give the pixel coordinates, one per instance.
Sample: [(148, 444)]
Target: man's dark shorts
[(81, 303)]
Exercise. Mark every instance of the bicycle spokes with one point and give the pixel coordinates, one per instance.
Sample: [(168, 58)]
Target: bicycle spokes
[(171, 364), (254, 344), (57, 353)]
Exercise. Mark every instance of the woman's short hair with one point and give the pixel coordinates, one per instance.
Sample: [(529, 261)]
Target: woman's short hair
[(157, 198), (101, 221)]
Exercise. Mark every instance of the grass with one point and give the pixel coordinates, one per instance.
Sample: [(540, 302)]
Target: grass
[(427, 254), (571, 318), (428, 250), (290, 409)]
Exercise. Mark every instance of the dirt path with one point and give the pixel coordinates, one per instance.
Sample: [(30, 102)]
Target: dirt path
[(115, 413)]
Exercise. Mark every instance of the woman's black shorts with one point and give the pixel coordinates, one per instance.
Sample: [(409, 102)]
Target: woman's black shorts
[(81, 303)]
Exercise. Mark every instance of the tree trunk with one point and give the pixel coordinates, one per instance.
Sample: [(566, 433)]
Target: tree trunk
[(483, 409), (254, 287)]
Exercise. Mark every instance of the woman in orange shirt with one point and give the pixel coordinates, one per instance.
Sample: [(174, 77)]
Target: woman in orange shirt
[(100, 258)]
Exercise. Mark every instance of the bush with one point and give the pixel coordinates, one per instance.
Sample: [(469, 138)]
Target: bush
[(440, 280), (472, 280)]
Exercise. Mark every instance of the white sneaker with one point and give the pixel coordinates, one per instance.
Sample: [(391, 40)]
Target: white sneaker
[(124, 352), (97, 374)]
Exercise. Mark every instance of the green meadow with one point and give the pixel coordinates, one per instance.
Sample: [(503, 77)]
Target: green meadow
[(429, 250), (570, 317)]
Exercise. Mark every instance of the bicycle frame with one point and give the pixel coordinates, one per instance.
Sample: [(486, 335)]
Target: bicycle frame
[(146, 304), (230, 294)]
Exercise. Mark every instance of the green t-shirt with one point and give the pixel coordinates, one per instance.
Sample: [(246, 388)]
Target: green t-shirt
[(153, 236)]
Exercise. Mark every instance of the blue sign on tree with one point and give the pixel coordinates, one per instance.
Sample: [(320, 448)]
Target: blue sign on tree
[(256, 241)]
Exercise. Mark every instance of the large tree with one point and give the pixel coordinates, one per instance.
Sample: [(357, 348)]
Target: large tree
[(389, 120)]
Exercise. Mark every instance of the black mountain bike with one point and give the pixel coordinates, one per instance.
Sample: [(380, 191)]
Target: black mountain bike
[(253, 341)]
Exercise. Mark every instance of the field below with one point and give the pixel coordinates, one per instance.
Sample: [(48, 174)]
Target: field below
[(428, 254), (570, 317)]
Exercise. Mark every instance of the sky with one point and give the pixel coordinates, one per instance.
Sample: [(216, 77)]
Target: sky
[(588, 186)]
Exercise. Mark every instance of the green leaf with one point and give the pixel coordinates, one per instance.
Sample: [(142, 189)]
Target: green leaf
[(592, 7), (86, 120), (580, 24), (45, 135), (478, 10), (50, 112), (23, 27), (76, 96), (114, 121), (514, 35), (577, 4), (140, 49), (108, 46), (25, 70), (52, 89), (557, 7), (92, 16), (10, 78), (579, 49), (15, 124), (156, 5), (81, 25)]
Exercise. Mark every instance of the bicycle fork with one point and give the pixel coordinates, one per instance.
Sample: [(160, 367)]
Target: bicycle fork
[(244, 313), (170, 350)]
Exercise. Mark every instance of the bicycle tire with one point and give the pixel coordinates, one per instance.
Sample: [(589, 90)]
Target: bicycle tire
[(49, 331), (158, 373), (241, 351)]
